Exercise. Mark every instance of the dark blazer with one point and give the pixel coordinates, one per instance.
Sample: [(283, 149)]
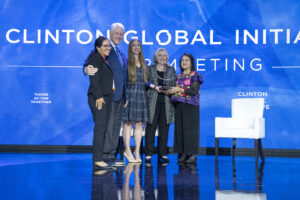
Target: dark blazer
[(120, 74), (102, 82), (152, 93)]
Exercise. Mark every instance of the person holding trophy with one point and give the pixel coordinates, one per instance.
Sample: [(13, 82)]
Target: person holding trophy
[(161, 112)]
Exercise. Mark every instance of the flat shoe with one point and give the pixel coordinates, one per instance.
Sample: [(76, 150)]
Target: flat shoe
[(99, 167)]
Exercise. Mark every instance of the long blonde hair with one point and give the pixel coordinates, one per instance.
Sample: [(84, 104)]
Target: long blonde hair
[(131, 63)]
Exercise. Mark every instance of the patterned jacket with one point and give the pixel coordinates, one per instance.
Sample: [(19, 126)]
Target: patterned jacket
[(152, 93)]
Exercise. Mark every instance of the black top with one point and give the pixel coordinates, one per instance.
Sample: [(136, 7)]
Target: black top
[(161, 96), (101, 83)]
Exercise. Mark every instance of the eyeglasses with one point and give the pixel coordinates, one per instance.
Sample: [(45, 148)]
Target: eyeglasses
[(106, 46)]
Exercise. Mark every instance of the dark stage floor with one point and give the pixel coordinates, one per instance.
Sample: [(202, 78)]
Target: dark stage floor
[(71, 176)]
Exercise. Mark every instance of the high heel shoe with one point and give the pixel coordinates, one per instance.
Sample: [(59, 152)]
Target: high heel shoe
[(138, 160), (131, 160)]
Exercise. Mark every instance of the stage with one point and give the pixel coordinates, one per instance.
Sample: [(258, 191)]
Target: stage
[(71, 176), (243, 49)]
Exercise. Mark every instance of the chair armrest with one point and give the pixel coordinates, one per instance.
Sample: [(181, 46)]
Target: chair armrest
[(259, 127), (221, 123)]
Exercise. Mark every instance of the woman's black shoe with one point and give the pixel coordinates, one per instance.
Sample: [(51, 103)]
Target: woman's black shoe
[(181, 158), (148, 159), (163, 159), (191, 159)]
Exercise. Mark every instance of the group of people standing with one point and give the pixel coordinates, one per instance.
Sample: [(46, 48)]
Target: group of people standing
[(128, 91)]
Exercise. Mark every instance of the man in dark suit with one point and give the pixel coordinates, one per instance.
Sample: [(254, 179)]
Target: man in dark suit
[(117, 62)]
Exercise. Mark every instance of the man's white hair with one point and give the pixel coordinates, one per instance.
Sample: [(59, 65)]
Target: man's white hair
[(116, 25)]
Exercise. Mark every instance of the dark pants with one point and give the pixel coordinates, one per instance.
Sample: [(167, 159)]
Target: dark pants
[(186, 138), (163, 131), (100, 118), (113, 130)]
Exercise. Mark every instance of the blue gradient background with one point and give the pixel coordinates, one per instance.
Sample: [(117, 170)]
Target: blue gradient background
[(68, 121)]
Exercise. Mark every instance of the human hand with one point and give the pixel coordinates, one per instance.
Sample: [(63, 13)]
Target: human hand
[(125, 105), (166, 92), (90, 70), (157, 88), (174, 90), (99, 103)]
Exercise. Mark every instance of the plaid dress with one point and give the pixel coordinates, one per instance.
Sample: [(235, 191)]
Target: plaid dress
[(136, 109)]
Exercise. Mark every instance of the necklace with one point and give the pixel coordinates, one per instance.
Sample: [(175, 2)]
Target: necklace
[(164, 79)]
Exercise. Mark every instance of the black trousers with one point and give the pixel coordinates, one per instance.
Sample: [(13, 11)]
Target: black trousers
[(113, 130), (100, 118), (187, 128), (159, 120)]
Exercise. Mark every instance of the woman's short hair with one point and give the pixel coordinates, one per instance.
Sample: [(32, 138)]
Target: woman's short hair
[(156, 54)]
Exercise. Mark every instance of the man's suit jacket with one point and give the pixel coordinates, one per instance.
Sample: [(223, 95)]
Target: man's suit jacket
[(120, 74)]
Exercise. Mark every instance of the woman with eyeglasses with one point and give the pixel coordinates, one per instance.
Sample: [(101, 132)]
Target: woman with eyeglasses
[(100, 97)]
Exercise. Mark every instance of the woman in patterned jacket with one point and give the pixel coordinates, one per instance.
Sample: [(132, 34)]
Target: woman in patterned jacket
[(161, 111)]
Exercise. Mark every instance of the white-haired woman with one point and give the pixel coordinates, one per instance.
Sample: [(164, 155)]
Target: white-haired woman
[(161, 76)]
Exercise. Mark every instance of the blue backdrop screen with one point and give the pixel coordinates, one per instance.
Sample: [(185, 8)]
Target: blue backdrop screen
[(242, 49)]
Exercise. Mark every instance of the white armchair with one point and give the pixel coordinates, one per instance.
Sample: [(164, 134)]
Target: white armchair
[(246, 122)]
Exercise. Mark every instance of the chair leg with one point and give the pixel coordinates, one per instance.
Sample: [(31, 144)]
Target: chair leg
[(261, 152), (256, 148), (233, 146), (216, 147)]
